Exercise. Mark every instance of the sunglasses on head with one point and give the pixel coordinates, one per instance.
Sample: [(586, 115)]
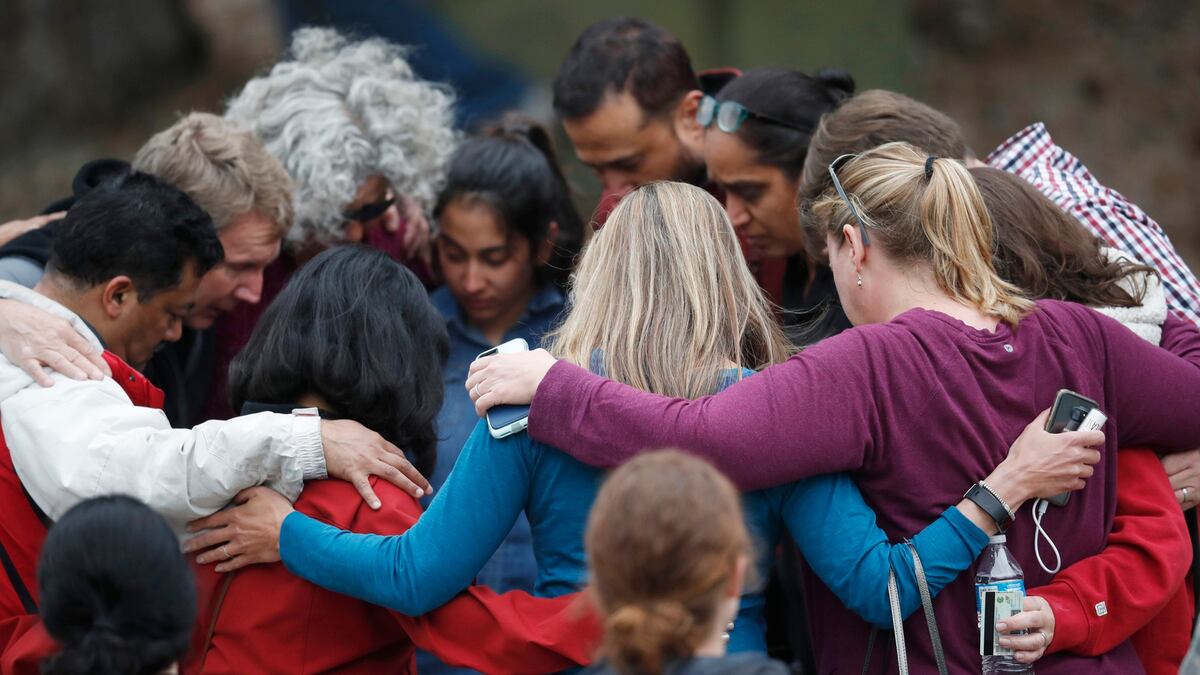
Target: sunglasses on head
[(369, 212), (729, 115), (837, 185)]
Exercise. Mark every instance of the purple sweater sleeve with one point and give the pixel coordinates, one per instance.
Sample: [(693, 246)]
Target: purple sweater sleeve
[(810, 415), (1155, 394), (1181, 338)]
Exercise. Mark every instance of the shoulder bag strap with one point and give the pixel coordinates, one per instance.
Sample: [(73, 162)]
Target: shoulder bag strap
[(935, 638)]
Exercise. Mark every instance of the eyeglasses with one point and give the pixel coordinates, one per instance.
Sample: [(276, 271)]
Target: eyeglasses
[(368, 212), (837, 184), (729, 115)]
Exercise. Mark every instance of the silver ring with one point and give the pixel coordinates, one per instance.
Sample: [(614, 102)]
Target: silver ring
[(1045, 639), (226, 552), (1185, 493), (475, 390)]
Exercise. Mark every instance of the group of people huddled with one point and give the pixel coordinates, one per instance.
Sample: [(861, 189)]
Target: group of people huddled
[(801, 355)]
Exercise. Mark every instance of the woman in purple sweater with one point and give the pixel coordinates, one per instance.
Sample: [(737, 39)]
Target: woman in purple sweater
[(946, 365)]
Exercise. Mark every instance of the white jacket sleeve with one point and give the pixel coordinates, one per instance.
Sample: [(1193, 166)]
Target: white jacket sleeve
[(81, 439)]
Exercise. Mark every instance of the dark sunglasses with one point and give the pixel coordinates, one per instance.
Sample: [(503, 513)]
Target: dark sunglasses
[(368, 212), (837, 185), (729, 115)]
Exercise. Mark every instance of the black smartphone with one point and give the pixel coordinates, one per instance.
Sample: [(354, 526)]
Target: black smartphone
[(1069, 411)]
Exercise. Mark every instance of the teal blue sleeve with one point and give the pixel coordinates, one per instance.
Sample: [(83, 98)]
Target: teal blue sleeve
[(836, 532), (441, 553)]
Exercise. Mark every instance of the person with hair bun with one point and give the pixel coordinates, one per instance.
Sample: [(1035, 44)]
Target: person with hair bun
[(668, 553), (945, 366), (756, 135), (116, 596)]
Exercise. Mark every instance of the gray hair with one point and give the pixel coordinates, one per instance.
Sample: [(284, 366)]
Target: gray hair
[(339, 112)]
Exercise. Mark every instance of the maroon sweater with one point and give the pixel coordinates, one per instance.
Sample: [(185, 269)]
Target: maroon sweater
[(917, 409)]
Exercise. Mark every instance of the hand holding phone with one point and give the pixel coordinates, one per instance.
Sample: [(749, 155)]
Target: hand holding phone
[(1073, 412), (506, 420)]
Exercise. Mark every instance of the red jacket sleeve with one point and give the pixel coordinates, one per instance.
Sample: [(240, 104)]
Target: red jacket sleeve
[(509, 633), (1095, 606), (479, 629), (24, 644)]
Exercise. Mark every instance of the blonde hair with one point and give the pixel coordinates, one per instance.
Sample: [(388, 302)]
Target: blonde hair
[(940, 221), (663, 541), (222, 167), (663, 300)]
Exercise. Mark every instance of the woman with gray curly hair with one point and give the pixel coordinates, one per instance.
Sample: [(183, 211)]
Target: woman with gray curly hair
[(366, 143), (355, 128)]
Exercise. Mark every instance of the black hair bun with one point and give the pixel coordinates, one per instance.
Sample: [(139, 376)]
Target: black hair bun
[(839, 82)]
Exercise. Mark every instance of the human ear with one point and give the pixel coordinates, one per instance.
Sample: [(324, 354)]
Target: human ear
[(117, 296), (852, 239), (686, 127)]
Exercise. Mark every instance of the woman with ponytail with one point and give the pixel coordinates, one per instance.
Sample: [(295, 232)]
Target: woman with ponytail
[(114, 591), (756, 135), (667, 556), (944, 368), (508, 235)]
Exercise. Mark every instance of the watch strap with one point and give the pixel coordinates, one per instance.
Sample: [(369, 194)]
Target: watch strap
[(984, 498)]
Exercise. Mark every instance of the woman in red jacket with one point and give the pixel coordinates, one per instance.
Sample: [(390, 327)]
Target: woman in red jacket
[(354, 336)]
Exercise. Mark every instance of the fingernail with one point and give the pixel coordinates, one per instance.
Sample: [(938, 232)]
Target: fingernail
[(220, 568), (1002, 626), (420, 493), (1005, 642), (375, 504)]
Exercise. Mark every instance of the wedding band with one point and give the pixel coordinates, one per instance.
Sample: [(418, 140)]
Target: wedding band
[(1045, 639), (475, 390), (226, 552), (1184, 490)]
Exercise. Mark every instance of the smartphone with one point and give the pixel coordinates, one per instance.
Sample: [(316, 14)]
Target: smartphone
[(506, 420), (1070, 412)]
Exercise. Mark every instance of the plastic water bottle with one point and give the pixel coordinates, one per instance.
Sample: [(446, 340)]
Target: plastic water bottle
[(998, 571)]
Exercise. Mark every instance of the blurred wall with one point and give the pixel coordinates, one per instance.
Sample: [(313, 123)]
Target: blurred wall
[(1116, 81)]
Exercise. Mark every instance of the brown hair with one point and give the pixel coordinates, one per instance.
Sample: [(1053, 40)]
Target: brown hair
[(222, 167), (939, 220), (663, 540), (1048, 253), (869, 120)]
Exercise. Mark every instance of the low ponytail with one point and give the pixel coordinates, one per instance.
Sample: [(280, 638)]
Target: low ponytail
[(664, 540), (924, 210), (642, 638), (955, 220)]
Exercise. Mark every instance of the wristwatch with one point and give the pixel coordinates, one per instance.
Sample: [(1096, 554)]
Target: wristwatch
[(992, 504)]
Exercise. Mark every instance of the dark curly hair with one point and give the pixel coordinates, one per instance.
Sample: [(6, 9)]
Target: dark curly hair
[(355, 328)]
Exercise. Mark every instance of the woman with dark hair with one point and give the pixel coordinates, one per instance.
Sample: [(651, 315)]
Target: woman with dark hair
[(1043, 250), (507, 238), (354, 336), (757, 130), (114, 592)]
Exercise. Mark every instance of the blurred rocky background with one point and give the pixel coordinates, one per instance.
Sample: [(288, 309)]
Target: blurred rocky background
[(1116, 81)]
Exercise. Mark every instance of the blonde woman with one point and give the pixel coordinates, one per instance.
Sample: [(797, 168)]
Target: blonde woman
[(663, 301), (946, 363)]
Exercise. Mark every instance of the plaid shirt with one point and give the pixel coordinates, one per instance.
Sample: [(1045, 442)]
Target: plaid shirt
[(1032, 155)]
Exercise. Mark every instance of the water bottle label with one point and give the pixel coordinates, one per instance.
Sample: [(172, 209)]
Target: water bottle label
[(999, 587), (997, 602)]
